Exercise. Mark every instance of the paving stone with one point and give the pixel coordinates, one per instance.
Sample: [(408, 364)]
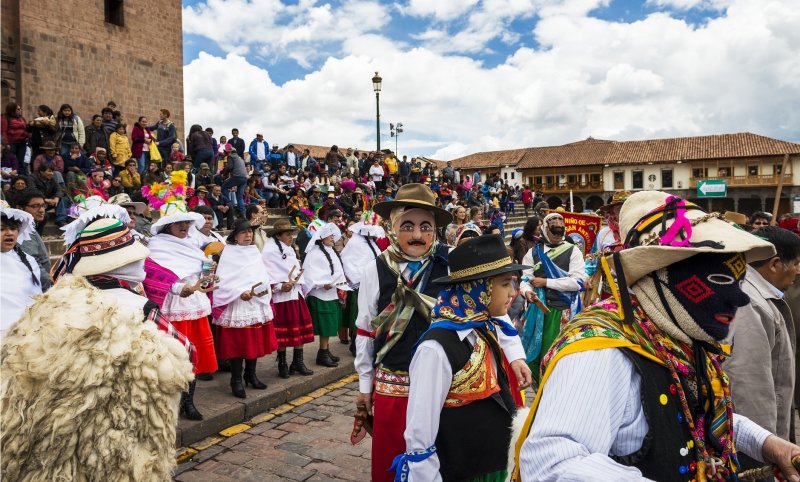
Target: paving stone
[(208, 453)]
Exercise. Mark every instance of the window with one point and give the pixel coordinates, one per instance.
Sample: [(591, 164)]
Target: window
[(724, 172), (505, 176), (637, 179), (572, 180), (548, 180), (752, 170), (666, 178), (619, 180), (594, 179), (700, 172), (512, 175), (115, 13), (777, 170)]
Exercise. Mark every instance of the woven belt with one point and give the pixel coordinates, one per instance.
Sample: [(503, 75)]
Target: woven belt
[(391, 384)]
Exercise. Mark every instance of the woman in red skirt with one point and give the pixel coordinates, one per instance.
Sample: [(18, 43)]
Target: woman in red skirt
[(292, 318), (244, 327), (175, 281)]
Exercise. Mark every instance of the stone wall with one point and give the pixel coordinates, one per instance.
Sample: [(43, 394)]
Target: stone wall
[(70, 54)]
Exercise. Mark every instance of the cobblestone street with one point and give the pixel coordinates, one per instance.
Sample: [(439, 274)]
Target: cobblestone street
[(310, 441)]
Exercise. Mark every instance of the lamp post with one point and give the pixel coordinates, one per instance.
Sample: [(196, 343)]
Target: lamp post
[(376, 86)]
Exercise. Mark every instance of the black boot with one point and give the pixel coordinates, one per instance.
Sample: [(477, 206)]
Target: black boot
[(188, 410), (236, 378), (250, 377), (335, 358), (297, 363), (283, 367), (324, 359)]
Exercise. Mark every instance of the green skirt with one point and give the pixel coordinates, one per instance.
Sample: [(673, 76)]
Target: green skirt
[(325, 316), (499, 476), (350, 311), (550, 328)]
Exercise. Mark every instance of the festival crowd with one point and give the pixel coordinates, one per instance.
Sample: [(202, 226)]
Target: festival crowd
[(665, 349)]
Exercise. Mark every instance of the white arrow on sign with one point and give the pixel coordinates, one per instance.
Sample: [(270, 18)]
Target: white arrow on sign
[(708, 188)]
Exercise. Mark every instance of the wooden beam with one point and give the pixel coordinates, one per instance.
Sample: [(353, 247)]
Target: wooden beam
[(778, 190)]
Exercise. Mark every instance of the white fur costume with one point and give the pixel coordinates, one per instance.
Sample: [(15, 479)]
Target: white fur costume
[(89, 390)]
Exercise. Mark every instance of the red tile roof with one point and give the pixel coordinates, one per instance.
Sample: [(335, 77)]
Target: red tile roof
[(591, 151)]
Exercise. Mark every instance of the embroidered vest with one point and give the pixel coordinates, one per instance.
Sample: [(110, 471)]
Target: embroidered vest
[(562, 261), (399, 357), (474, 426)]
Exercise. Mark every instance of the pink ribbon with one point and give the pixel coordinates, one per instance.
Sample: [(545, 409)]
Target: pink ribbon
[(670, 238)]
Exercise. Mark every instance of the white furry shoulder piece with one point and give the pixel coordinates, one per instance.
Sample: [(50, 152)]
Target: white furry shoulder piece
[(89, 391)]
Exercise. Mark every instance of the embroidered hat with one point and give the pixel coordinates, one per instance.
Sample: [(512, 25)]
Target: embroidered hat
[(86, 216), (175, 212), (281, 226), (369, 225), (103, 245), (660, 229), (415, 195), (479, 258)]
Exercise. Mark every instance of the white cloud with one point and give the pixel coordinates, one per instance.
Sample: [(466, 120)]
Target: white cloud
[(657, 77), (440, 9)]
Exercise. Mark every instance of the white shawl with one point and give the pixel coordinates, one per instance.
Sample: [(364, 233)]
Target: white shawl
[(318, 272), (18, 288), (357, 255), (239, 268), (181, 256)]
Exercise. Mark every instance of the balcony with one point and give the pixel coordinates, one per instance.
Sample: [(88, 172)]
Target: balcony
[(576, 187), (747, 181)]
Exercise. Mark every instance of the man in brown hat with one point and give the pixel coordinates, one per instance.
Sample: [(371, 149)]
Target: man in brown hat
[(394, 308)]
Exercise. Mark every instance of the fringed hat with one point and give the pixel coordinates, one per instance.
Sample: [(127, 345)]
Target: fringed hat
[(101, 210), (175, 212), (369, 225), (104, 244), (660, 229), (27, 223), (84, 204)]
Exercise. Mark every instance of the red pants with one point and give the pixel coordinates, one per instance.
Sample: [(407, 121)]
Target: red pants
[(387, 434)]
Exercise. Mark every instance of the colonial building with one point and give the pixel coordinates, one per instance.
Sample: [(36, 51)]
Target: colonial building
[(751, 166), (87, 52)]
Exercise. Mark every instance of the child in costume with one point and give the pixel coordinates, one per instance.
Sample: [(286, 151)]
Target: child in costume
[(293, 327), (244, 329), (460, 403)]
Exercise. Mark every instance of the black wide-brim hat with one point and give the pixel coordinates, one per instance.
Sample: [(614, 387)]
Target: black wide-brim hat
[(238, 227), (414, 195), (479, 258)]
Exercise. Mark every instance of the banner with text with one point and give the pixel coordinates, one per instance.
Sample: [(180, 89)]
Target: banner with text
[(582, 229)]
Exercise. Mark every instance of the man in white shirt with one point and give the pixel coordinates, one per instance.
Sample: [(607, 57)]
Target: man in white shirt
[(633, 389), (291, 156)]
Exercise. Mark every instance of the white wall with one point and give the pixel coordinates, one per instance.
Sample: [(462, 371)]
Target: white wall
[(680, 176), (511, 176)]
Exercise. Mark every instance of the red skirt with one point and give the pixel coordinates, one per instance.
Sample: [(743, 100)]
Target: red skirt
[(199, 333), (292, 321), (250, 342)]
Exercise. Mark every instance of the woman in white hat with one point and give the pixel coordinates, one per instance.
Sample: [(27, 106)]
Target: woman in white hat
[(243, 311), (324, 276), (20, 272), (178, 280), (293, 325)]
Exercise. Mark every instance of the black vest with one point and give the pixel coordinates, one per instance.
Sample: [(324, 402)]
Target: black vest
[(473, 440), (661, 456), (399, 357), (554, 300)]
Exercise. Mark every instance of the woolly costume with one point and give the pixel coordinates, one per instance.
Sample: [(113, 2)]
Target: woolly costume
[(293, 327), (19, 272), (460, 399), (323, 266), (97, 387), (561, 263), (653, 350)]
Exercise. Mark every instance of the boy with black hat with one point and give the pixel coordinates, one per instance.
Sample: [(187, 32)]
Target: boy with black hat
[(460, 403)]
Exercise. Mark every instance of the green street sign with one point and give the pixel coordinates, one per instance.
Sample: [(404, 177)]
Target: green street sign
[(712, 188)]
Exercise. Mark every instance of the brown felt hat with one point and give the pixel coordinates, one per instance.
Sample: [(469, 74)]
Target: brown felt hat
[(281, 226), (414, 195)]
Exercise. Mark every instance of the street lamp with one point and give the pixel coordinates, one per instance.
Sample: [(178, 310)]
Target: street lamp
[(394, 131), (376, 86)]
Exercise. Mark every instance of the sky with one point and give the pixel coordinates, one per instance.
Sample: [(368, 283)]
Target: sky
[(467, 76)]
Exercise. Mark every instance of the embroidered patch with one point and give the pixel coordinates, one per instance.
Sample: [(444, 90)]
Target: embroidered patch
[(694, 289), (737, 265)]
